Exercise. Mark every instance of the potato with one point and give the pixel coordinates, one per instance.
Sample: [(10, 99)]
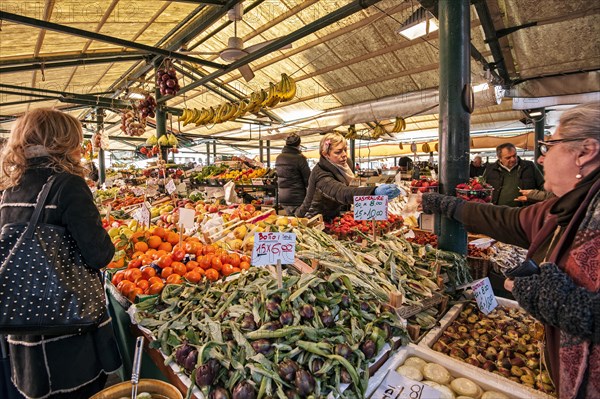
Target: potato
[(464, 397), (465, 387), (415, 362), (494, 395), (435, 372), (446, 392), (410, 372)]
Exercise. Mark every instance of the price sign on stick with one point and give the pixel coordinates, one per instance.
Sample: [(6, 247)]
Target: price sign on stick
[(272, 247), (170, 187), (186, 217), (484, 295), (396, 386), (142, 215), (371, 207)]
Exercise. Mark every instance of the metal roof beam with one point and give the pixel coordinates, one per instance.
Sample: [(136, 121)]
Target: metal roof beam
[(45, 64), (306, 30), (69, 57), (210, 2), (41, 24)]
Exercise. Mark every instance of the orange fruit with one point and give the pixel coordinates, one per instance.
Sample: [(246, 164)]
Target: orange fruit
[(134, 263), (225, 258), (125, 287), (154, 280), (192, 277), (156, 288), (165, 246), (133, 293), (159, 231), (245, 258), (146, 260), (154, 241), (159, 253), (143, 284), (236, 270), (199, 270), (216, 263), (147, 272), (166, 272), (117, 278), (234, 259), (191, 265), (179, 268), (227, 269), (135, 237), (244, 265), (212, 274), (164, 261), (151, 252), (174, 279), (172, 237), (137, 254)]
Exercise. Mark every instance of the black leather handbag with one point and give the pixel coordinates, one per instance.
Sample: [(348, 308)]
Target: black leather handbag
[(46, 288)]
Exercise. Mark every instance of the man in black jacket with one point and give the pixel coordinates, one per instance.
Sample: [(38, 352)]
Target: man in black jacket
[(510, 174), (292, 174)]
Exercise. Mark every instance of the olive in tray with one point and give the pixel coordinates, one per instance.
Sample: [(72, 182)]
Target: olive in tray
[(506, 342)]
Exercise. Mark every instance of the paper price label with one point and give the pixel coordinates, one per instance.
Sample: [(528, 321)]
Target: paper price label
[(371, 207), (272, 247), (142, 215), (396, 386), (257, 182), (170, 187), (186, 217), (138, 191), (484, 295)]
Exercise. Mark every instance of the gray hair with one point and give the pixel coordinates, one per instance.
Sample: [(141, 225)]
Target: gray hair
[(582, 121), (503, 146)]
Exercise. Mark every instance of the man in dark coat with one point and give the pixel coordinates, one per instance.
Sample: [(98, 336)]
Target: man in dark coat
[(292, 174), (477, 167), (510, 174)]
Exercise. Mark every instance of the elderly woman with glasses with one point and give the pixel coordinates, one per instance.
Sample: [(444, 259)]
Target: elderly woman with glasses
[(562, 235)]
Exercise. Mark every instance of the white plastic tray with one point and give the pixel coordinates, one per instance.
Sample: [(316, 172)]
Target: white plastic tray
[(487, 381)]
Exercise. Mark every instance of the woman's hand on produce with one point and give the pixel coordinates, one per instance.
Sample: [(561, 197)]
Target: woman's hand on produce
[(509, 284)]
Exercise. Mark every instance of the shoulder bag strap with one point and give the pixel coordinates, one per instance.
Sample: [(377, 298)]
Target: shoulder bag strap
[(39, 206)]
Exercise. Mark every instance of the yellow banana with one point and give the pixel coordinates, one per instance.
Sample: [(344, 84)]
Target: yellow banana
[(183, 115), (230, 112), (200, 120), (194, 116), (241, 111), (291, 85), (273, 95), (399, 125)]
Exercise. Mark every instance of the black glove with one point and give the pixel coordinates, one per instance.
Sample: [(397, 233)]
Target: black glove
[(442, 204)]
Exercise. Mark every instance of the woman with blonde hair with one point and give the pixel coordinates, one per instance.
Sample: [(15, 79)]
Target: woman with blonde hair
[(328, 189), (46, 143), (562, 235)]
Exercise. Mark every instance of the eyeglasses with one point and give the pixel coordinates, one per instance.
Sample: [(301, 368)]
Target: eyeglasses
[(544, 146)]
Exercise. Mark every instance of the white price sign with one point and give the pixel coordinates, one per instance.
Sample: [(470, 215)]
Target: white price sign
[(142, 215), (272, 247), (484, 295), (137, 191), (186, 217), (371, 207), (170, 187), (257, 182), (396, 386)]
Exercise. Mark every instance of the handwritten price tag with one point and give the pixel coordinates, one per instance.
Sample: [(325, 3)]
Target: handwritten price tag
[(484, 295), (371, 207), (396, 386), (257, 182), (142, 215), (170, 187), (272, 247)]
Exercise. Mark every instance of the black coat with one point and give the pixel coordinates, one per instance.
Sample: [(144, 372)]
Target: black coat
[(328, 192), (529, 177), (45, 365), (475, 171), (292, 176)]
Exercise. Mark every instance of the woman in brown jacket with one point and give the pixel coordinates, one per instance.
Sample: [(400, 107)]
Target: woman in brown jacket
[(562, 235)]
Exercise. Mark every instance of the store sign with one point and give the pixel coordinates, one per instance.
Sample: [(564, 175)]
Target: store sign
[(484, 295), (371, 207), (186, 217), (269, 248), (170, 187), (396, 386)]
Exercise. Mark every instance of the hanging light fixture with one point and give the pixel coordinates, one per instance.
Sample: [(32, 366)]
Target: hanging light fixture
[(420, 23)]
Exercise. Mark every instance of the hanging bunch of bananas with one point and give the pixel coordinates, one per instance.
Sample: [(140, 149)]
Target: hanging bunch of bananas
[(352, 133), (283, 91), (378, 131), (399, 125)]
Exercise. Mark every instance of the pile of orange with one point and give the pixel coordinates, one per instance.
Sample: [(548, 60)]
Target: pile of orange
[(158, 259)]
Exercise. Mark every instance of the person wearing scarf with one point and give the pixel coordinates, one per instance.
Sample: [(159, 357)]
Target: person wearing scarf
[(562, 235), (328, 191)]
